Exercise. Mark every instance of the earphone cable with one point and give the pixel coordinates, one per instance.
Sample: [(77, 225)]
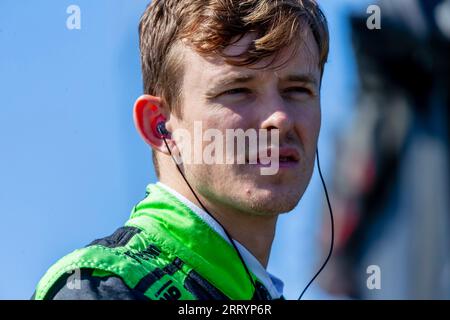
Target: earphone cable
[(217, 221), (231, 240), (332, 228)]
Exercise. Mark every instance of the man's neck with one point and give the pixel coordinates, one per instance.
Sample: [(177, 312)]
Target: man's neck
[(255, 233)]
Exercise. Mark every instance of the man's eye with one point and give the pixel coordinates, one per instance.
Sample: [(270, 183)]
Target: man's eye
[(299, 90), (236, 91)]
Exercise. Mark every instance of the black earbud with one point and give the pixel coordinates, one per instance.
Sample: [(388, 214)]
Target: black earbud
[(161, 128)]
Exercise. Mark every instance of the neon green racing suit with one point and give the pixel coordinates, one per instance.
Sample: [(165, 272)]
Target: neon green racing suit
[(164, 252)]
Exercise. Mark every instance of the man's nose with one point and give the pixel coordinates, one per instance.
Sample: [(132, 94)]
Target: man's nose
[(277, 117)]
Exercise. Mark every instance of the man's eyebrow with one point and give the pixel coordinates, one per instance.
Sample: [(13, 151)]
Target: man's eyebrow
[(306, 78), (245, 78), (217, 85), (234, 79)]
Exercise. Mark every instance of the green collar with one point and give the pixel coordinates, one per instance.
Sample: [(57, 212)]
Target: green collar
[(179, 231)]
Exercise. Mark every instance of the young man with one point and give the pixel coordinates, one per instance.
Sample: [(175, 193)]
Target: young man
[(205, 230)]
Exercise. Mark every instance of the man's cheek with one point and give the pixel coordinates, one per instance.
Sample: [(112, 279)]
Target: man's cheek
[(310, 130)]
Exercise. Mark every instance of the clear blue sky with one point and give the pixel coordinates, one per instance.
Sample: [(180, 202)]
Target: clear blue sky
[(72, 165)]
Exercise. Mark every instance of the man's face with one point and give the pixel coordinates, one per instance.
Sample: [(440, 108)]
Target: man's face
[(222, 97)]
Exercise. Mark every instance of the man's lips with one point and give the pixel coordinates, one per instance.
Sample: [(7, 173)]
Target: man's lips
[(289, 154), (285, 155)]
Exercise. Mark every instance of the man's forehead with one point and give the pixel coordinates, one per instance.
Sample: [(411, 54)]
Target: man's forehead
[(213, 69)]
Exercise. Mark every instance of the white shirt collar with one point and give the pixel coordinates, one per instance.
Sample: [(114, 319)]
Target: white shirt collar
[(272, 283)]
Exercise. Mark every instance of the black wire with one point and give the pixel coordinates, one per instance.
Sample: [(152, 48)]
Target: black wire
[(218, 222), (332, 228), (231, 240)]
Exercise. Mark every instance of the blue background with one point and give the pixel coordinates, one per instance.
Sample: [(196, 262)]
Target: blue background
[(72, 165)]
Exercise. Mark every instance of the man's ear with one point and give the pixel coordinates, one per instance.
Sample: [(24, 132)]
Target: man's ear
[(147, 110)]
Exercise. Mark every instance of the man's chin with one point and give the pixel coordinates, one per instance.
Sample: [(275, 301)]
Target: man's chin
[(273, 201), (272, 208)]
